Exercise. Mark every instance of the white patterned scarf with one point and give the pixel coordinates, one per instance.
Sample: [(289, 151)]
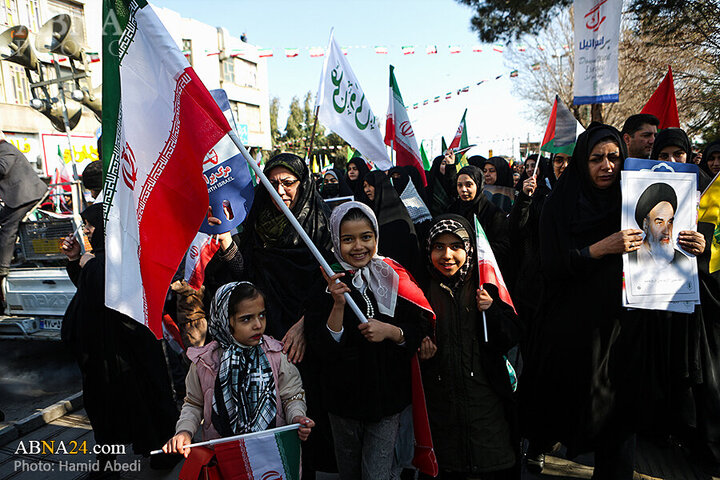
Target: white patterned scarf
[(377, 275)]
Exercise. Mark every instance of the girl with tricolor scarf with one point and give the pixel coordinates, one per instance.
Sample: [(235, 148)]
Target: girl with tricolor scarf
[(241, 382), (366, 366)]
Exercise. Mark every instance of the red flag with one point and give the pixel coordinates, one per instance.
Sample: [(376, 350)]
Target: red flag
[(460, 140), (663, 104), (424, 458)]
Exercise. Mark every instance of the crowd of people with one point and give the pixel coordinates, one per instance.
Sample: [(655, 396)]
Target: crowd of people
[(271, 338)]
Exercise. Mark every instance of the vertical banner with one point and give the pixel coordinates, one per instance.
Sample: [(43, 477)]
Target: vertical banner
[(597, 37)]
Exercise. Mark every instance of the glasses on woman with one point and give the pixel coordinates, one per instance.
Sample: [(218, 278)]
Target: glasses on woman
[(287, 183)]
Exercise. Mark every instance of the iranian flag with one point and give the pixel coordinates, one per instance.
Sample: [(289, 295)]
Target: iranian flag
[(159, 122), (201, 251), (460, 140), (266, 455), (562, 130), (399, 133), (488, 268)]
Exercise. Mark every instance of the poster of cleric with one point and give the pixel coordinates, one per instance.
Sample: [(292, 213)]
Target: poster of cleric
[(661, 204)]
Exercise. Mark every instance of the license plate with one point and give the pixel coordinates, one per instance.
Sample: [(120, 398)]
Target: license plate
[(51, 324)]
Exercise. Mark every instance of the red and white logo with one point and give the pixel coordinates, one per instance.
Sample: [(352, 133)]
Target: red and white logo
[(129, 169), (211, 157), (271, 475), (594, 18), (194, 252), (406, 129)]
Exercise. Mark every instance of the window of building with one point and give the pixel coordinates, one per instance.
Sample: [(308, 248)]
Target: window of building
[(19, 91), (187, 50), (248, 115), (229, 70), (246, 73), (9, 13), (29, 11)]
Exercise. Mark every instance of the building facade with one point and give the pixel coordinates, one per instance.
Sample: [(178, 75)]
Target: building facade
[(220, 60)]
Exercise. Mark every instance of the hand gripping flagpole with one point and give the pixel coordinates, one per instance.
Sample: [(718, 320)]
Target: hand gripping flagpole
[(243, 436), (293, 221)]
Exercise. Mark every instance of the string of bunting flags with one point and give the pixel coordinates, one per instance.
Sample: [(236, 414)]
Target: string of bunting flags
[(316, 52)]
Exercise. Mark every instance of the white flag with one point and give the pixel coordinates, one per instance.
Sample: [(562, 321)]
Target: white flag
[(345, 110)]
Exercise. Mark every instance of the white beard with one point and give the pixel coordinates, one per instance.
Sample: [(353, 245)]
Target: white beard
[(662, 253)]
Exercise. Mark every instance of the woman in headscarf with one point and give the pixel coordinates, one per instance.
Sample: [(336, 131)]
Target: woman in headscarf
[(441, 190), (710, 162), (471, 202), (577, 376), (408, 185), (270, 253), (693, 403), (498, 174), (126, 385), (398, 239), (356, 169), (334, 185), (474, 433)]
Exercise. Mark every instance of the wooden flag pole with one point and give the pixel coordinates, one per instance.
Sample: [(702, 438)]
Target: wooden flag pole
[(312, 136), (293, 221)]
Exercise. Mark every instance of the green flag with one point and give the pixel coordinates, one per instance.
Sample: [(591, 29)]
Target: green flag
[(423, 155), (444, 146)]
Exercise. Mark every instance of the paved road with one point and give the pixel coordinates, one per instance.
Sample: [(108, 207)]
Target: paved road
[(33, 375)]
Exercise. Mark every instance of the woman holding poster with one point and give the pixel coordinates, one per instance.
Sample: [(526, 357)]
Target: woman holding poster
[(574, 371)]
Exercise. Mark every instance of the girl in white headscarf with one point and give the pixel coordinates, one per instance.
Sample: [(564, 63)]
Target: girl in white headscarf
[(367, 380)]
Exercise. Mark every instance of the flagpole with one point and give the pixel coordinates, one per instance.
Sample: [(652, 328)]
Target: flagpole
[(243, 436), (392, 152), (312, 135), (293, 221)]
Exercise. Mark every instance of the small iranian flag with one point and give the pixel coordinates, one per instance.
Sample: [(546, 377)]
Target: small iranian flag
[(535, 66), (477, 49), (562, 130), (431, 49), (408, 50), (317, 52), (455, 49), (381, 50), (265, 53), (461, 139), (267, 455), (498, 47), (159, 123), (292, 52), (199, 254), (399, 133), (513, 74), (488, 268)]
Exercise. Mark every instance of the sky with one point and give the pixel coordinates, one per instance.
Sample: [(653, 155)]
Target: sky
[(495, 115)]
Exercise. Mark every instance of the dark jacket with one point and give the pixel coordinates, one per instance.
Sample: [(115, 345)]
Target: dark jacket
[(470, 402), (19, 184), (363, 380)]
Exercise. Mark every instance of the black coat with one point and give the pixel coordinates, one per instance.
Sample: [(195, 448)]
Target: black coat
[(126, 385), (363, 380), (19, 184), (471, 406)]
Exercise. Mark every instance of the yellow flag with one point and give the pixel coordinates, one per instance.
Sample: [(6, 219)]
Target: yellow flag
[(709, 212), (315, 165)]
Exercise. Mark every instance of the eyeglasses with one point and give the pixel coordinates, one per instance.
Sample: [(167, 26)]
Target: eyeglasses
[(287, 183)]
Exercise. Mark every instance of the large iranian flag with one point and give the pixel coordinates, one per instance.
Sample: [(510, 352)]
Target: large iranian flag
[(159, 122), (399, 133)]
